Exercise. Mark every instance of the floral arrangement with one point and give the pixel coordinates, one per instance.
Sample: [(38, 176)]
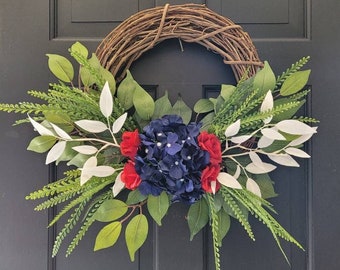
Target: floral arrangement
[(116, 137)]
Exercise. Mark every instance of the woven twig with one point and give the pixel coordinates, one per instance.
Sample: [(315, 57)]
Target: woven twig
[(190, 23)]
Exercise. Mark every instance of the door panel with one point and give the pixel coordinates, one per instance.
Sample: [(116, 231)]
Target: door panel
[(282, 33)]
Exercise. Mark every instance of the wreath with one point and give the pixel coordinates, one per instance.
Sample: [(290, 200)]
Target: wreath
[(116, 137)]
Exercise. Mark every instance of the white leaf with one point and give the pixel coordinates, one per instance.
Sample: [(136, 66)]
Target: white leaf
[(40, 128), (213, 186), (295, 127), (267, 104), (86, 174), (272, 134), (301, 139), (61, 132), (296, 152), (55, 152), (253, 187), (240, 139), (85, 149), (255, 158), (264, 142), (264, 168), (284, 159), (92, 126), (228, 180), (99, 171), (233, 129), (106, 101), (118, 124), (237, 172), (118, 186)]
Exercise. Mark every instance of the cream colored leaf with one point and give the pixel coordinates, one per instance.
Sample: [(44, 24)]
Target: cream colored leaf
[(264, 168), (233, 129), (61, 132), (237, 172), (264, 142), (295, 127), (40, 128), (86, 174), (118, 124), (228, 180), (255, 158), (213, 186), (240, 139), (296, 152), (55, 152), (118, 185), (267, 104), (85, 149), (302, 139), (284, 159), (92, 126), (272, 134), (253, 187), (106, 101)]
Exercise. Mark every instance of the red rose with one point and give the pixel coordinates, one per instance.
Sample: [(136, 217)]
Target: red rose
[(212, 144), (209, 175), (129, 144), (130, 177)]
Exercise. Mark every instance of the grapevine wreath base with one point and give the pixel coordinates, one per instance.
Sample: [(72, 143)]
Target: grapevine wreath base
[(115, 136)]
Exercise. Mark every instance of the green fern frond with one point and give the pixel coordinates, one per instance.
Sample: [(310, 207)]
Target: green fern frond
[(58, 199), (70, 182), (88, 221), (307, 119), (69, 225), (215, 230), (230, 200), (23, 107)]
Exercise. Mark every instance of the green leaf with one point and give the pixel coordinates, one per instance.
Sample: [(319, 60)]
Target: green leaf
[(264, 79), (111, 210), (203, 106), (61, 67), (227, 90), (79, 49), (41, 144), (143, 102), (62, 120), (180, 108), (287, 114), (86, 76), (158, 206), (198, 217), (207, 120), (126, 90), (162, 106), (218, 104), (224, 225), (78, 160), (108, 235), (108, 76), (135, 234), (266, 186), (295, 82), (135, 197)]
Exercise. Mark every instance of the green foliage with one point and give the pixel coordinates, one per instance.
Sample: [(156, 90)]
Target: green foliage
[(158, 206), (111, 210), (108, 235), (135, 234), (198, 217)]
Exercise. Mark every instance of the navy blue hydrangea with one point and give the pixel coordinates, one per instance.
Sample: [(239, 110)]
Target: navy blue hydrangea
[(170, 159)]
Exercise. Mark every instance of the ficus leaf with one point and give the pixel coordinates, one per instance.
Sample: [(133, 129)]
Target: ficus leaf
[(108, 235), (158, 206), (180, 108), (126, 90), (119, 123), (264, 79), (198, 217), (135, 234), (55, 152), (294, 83), (106, 101), (92, 126), (85, 149), (228, 180), (203, 106), (143, 102), (61, 67), (162, 106), (110, 210), (41, 144)]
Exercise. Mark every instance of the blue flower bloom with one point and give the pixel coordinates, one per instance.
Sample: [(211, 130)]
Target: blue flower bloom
[(170, 159)]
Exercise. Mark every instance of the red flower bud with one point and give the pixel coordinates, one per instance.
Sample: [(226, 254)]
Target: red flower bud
[(209, 174)]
